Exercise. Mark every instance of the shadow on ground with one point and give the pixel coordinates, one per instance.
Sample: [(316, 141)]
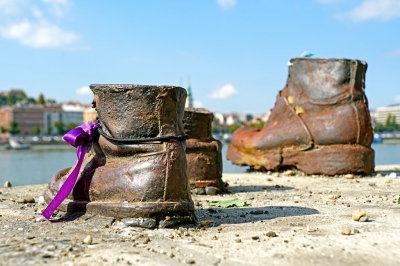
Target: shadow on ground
[(245, 214), (236, 189)]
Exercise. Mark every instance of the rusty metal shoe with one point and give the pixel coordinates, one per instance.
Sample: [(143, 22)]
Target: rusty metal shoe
[(320, 123), (203, 152), (136, 167)]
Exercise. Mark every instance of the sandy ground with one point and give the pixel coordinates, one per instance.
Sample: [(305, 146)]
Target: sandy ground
[(291, 220)]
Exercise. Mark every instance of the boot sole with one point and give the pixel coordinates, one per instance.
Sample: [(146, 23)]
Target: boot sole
[(326, 160), (154, 210)]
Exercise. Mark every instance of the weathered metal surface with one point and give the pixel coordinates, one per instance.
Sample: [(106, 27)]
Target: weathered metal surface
[(203, 152), (147, 180), (320, 117)]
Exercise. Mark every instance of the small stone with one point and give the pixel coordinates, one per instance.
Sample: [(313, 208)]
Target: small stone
[(146, 240), (356, 231), (276, 174), (211, 190), (198, 191), (289, 173), (346, 232), (29, 200), (214, 238), (238, 240), (332, 197), (363, 219), (271, 234), (255, 237), (41, 199), (392, 175), (387, 181), (88, 240), (205, 223), (349, 176), (357, 214), (378, 175), (7, 184)]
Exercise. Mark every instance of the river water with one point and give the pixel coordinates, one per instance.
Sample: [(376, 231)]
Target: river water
[(27, 167)]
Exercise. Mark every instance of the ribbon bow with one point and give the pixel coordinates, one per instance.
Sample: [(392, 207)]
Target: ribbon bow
[(79, 137)]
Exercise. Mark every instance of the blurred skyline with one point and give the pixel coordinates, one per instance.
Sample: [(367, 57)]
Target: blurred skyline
[(234, 53)]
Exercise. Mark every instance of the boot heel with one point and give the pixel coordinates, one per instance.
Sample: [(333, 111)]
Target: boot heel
[(332, 159)]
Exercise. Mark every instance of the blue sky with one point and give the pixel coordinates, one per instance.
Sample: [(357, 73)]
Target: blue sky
[(233, 52)]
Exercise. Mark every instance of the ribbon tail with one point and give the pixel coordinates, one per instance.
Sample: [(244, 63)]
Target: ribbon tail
[(67, 187)]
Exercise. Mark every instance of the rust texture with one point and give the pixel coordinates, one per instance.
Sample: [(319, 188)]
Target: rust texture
[(146, 180), (203, 152), (320, 123)]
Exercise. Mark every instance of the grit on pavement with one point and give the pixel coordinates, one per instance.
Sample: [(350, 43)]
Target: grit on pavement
[(292, 219)]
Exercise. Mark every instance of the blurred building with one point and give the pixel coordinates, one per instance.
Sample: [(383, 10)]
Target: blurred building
[(89, 114), (380, 114), (28, 117)]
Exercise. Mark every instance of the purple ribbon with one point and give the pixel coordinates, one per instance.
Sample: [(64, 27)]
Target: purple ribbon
[(79, 137)]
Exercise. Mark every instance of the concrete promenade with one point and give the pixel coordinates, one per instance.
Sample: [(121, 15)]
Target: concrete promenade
[(291, 220)]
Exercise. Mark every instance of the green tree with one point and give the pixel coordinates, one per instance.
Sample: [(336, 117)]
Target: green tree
[(59, 125), (71, 126), (36, 130), (233, 127), (49, 129), (14, 128), (40, 100)]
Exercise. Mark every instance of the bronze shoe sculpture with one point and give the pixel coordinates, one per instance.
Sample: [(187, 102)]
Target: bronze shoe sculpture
[(203, 152), (136, 166), (320, 123)]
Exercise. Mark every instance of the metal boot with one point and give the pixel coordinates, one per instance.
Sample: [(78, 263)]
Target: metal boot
[(136, 167), (320, 123), (203, 152)]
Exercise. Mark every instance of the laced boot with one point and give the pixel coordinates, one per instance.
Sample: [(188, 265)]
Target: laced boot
[(136, 166), (203, 152), (320, 123)]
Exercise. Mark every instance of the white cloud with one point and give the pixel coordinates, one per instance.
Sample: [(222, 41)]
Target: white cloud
[(197, 104), (84, 91), (10, 6), (227, 4), (224, 92), (57, 7), (28, 24), (373, 9), (39, 34)]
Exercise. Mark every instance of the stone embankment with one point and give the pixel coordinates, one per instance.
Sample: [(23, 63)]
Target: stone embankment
[(291, 220)]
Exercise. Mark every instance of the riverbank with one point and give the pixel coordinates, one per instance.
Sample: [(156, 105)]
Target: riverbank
[(291, 220)]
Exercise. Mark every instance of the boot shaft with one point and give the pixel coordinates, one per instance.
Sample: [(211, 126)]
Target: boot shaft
[(139, 111), (320, 81), (197, 123)]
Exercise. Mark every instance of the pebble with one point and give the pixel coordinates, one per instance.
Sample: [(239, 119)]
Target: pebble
[(255, 237), (205, 223), (271, 234), (378, 175), (387, 181), (346, 232), (357, 214), (7, 184), (238, 240), (41, 199), (356, 231), (349, 176), (332, 197), (88, 240), (392, 175), (288, 173), (363, 219), (211, 190), (199, 191)]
